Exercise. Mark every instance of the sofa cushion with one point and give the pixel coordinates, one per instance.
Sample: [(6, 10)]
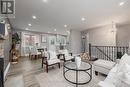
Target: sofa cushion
[(53, 61), (125, 59), (104, 63), (119, 76), (124, 74)]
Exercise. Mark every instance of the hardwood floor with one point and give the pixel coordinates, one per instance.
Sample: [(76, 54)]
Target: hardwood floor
[(29, 73), (27, 69)]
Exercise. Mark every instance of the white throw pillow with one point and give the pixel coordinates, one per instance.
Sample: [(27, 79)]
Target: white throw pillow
[(119, 75), (123, 68), (125, 59), (125, 76), (122, 78), (125, 55)]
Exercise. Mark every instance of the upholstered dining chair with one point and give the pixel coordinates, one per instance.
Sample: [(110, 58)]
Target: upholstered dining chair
[(34, 53), (50, 58)]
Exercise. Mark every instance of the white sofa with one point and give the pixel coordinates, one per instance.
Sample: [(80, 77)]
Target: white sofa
[(103, 66), (119, 75)]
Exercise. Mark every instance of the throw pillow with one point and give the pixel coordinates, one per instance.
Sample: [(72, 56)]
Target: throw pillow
[(125, 59), (123, 76)]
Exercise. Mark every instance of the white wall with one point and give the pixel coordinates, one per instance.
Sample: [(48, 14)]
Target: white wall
[(102, 36), (123, 35), (75, 38)]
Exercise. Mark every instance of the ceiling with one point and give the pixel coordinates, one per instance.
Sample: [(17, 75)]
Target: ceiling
[(56, 13)]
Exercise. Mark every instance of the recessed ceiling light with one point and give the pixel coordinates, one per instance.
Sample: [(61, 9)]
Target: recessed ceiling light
[(29, 24), (54, 29), (34, 17), (83, 19), (26, 29), (65, 25), (45, 1), (121, 3)]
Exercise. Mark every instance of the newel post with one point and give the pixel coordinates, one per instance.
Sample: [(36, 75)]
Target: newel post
[(90, 50)]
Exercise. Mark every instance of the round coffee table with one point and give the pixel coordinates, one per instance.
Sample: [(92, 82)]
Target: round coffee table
[(85, 68)]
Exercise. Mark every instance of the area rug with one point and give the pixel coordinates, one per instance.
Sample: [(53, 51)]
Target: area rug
[(54, 78)]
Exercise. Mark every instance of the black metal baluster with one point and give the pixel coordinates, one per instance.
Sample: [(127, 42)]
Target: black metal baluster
[(104, 52), (123, 50), (107, 52)]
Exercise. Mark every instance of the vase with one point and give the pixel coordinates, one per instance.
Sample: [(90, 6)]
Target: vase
[(78, 61)]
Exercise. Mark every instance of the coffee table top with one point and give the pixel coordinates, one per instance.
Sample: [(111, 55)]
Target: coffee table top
[(72, 66)]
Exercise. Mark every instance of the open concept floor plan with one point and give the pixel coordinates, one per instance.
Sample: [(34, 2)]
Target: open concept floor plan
[(64, 43)]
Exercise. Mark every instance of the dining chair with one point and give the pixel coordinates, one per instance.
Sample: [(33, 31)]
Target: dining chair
[(34, 53)]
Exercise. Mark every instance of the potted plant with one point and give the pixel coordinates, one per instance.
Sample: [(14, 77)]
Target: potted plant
[(16, 39), (15, 46)]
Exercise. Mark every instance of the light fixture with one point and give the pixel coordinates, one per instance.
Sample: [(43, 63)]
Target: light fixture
[(114, 29), (29, 24), (34, 17), (45, 1), (121, 3), (54, 29), (83, 19), (65, 25)]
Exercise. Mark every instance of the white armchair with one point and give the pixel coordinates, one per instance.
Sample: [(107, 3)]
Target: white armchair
[(50, 58), (67, 56)]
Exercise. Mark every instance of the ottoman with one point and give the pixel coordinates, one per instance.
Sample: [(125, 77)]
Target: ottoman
[(103, 66)]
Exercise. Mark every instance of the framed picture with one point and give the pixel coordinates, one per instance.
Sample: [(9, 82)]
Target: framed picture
[(43, 38)]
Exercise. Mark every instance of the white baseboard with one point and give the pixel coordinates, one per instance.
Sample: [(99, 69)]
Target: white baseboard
[(6, 70)]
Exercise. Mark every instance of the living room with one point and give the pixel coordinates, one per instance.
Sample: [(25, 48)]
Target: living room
[(53, 43)]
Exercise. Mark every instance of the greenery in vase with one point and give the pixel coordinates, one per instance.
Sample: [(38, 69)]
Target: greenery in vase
[(16, 39)]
